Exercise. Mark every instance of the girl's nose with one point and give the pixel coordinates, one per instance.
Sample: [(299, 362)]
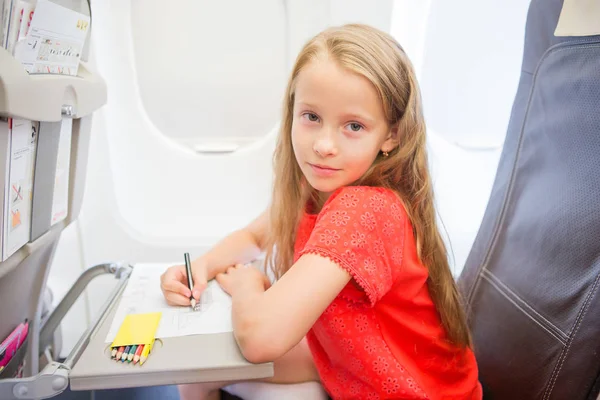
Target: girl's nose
[(324, 144)]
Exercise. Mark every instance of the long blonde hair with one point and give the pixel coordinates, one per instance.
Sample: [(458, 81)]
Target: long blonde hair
[(378, 57)]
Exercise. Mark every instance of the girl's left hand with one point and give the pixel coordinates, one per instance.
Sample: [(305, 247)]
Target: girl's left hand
[(242, 278)]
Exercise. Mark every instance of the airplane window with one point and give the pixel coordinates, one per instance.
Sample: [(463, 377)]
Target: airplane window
[(217, 80), (469, 60)]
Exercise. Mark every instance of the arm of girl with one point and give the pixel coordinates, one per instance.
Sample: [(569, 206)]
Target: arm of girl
[(267, 323), (241, 246)]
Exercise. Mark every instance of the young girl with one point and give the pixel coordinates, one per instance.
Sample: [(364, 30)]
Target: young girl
[(351, 235)]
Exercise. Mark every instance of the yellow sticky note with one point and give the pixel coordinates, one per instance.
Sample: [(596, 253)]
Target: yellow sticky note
[(137, 329)]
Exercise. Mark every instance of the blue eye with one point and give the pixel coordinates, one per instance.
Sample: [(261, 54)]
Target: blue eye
[(355, 127)]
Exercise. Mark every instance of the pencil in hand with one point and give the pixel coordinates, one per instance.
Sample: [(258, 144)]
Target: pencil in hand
[(188, 272)]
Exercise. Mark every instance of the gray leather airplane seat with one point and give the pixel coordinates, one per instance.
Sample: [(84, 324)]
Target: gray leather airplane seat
[(531, 280)]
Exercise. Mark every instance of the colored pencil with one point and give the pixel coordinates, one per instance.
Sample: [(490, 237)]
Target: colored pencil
[(131, 353), (138, 353), (120, 352), (145, 353), (125, 353)]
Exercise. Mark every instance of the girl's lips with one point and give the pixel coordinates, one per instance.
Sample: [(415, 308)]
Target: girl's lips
[(322, 170)]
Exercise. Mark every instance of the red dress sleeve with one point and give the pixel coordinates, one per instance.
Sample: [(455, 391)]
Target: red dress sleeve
[(362, 230)]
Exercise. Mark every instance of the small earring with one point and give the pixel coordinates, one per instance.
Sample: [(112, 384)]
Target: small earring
[(385, 153)]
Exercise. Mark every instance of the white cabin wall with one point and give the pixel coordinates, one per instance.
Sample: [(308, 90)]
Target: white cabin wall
[(66, 267), (150, 198), (467, 56)]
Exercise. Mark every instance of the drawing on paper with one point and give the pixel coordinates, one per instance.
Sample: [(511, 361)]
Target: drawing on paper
[(143, 294)]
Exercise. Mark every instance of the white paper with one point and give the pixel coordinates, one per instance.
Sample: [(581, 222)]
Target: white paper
[(55, 40), (143, 295), (22, 150)]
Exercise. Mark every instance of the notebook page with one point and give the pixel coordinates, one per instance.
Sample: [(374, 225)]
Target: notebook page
[(143, 295)]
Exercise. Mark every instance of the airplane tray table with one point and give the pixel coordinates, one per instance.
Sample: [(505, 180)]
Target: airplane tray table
[(174, 360)]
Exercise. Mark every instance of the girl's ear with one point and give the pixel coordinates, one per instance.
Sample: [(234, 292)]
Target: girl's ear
[(392, 139)]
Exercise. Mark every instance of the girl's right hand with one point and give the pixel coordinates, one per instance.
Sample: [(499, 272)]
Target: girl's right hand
[(174, 284)]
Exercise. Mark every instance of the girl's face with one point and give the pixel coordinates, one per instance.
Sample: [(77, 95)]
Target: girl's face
[(338, 125)]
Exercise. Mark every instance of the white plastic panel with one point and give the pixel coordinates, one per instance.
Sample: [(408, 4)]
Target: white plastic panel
[(209, 71), (148, 198), (308, 17), (462, 182), (471, 64), (164, 191), (409, 27), (468, 82), (375, 13)]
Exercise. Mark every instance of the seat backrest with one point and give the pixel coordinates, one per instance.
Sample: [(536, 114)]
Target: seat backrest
[(47, 99), (531, 279)]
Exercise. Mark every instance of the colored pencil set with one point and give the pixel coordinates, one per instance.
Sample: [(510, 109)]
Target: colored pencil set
[(131, 354), (135, 338)]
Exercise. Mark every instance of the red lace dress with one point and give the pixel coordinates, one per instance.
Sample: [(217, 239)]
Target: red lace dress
[(381, 338)]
